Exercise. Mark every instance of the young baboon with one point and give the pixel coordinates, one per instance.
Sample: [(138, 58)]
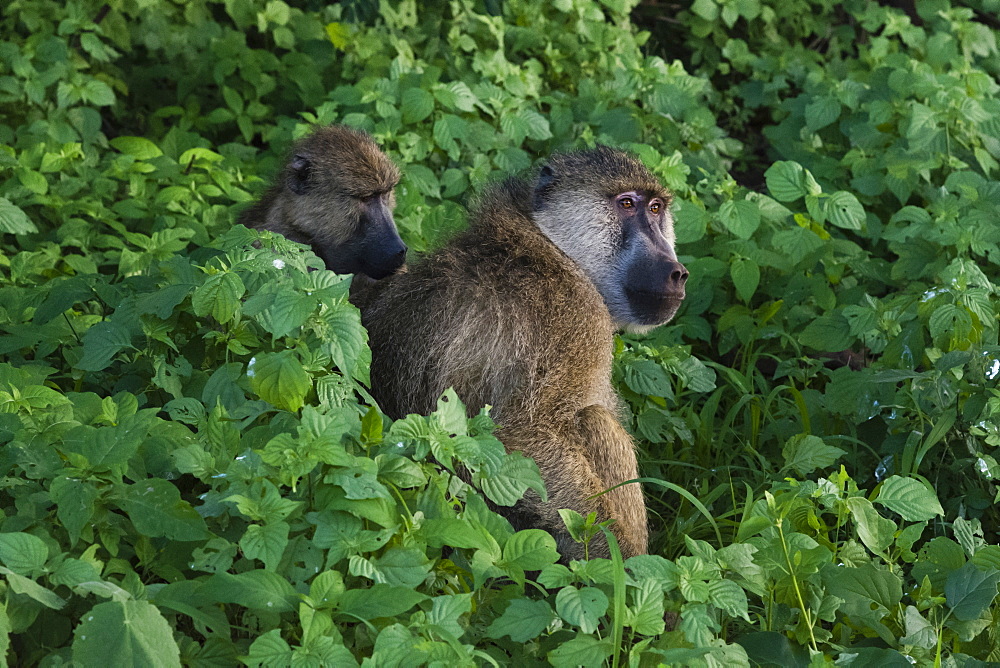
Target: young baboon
[(335, 194), (519, 313)]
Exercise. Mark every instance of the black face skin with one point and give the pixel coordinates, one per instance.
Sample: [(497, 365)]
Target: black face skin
[(374, 248), (652, 278)]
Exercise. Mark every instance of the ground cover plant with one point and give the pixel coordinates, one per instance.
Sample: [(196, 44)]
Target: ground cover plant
[(193, 472)]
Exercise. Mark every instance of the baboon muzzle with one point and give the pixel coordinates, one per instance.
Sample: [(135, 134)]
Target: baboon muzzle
[(655, 290)]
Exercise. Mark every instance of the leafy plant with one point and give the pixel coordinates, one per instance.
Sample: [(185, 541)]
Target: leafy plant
[(193, 471)]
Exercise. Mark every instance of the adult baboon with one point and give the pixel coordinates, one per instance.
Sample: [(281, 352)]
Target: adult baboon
[(519, 313), (335, 194)]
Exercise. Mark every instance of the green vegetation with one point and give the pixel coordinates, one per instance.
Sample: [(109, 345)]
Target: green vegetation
[(192, 472)]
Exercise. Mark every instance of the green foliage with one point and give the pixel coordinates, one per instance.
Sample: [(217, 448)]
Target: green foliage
[(193, 469)]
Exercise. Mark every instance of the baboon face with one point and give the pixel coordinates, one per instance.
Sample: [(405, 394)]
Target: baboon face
[(609, 214), (342, 187)]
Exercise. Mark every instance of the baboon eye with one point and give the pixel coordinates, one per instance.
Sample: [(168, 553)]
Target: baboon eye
[(626, 202), (655, 206)]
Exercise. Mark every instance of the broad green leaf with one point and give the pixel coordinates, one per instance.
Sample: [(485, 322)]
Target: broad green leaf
[(446, 610), (746, 277), (377, 601), (522, 620), (417, 104), (647, 377), (270, 651), (22, 552), (970, 591), (875, 531), (919, 631), (156, 509), (821, 113), (279, 379), (645, 615), (219, 296), (265, 542), (14, 220), (126, 633), (22, 585), (530, 550), (844, 210), (259, 590), (584, 650), (75, 504), (101, 343), (829, 333), (402, 567), (805, 453), (741, 217), (344, 337), (138, 147), (788, 181), (582, 607), (908, 497), (729, 596)]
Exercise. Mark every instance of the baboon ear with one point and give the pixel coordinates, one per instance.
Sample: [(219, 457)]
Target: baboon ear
[(298, 174), (545, 179)]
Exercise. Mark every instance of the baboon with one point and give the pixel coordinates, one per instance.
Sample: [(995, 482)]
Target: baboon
[(519, 313), (335, 194)]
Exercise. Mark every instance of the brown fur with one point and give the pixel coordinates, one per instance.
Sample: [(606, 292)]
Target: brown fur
[(335, 193), (508, 319)]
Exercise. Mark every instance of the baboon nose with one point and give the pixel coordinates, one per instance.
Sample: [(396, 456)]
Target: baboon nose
[(400, 257), (678, 276)]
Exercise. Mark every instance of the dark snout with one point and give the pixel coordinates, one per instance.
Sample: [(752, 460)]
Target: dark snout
[(382, 252), (655, 289), (384, 255)]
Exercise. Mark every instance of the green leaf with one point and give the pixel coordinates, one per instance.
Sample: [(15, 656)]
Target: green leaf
[(805, 453), (788, 181), (970, 591), (446, 610), (377, 601), (125, 633), (14, 220), (270, 651), (22, 552), (649, 378), (908, 497), (741, 217), (417, 104), (875, 531), (344, 336), (522, 620), (219, 296), (730, 597), (844, 210), (259, 590), (582, 607), (156, 509), (586, 651), (821, 113), (279, 379), (101, 343), (138, 147), (22, 585), (98, 93), (828, 333), (530, 550), (265, 542), (746, 277), (423, 179)]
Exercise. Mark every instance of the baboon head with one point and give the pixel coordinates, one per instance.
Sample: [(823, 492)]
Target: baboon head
[(341, 189), (610, 215)]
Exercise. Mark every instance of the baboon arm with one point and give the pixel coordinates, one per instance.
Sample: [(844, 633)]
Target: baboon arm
[(578, 461), (612, 453)]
